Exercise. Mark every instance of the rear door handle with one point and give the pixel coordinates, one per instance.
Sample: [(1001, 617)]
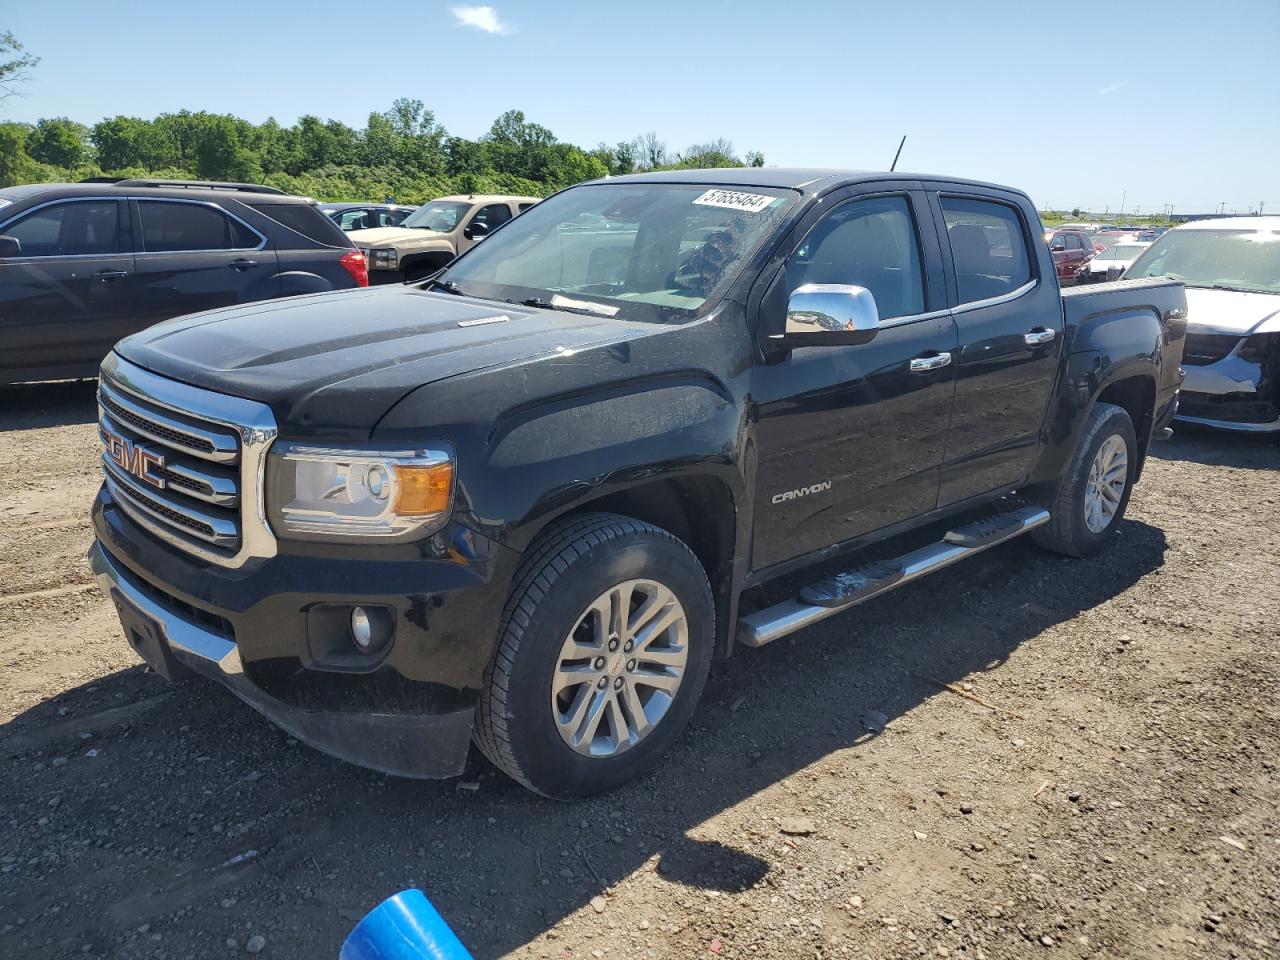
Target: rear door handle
[(1038, 336), (934, 361), (105, 275), (242, 264)]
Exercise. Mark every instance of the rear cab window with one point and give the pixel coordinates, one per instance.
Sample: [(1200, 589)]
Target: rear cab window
[(988, 247)]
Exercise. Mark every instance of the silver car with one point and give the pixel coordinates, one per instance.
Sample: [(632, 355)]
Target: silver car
[(1231, 268)]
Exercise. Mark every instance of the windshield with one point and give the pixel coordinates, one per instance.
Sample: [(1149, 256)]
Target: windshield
[(1246, 260), (1121, 251), (658, 252), (438, 215)]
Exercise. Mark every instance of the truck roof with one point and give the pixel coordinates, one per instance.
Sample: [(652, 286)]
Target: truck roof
[(808, 180)]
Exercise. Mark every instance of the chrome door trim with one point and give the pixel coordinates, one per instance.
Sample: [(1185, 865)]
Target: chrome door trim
[(996, 301), (912, 318)]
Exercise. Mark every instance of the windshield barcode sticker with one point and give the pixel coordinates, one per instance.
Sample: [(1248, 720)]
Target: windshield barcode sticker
[(732, 200)]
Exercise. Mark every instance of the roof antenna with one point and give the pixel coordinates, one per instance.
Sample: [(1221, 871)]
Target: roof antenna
[(898, 154)]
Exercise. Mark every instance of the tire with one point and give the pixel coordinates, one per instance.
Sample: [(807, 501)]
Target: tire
[(595, 562), (1069, 530)]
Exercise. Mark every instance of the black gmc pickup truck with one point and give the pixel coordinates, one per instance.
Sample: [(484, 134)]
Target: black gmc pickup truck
[(527, 501)]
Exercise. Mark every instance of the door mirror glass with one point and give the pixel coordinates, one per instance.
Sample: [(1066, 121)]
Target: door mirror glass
[(10, 247), (833, 313), (476, 230)]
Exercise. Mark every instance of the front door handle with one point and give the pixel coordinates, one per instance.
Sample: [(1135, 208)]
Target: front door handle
[(242, 264), (105, 275), (934, 361), (1038, 336)]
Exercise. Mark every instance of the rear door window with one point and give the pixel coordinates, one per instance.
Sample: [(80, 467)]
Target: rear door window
[(172, 227), (72, 229), (988, 247)]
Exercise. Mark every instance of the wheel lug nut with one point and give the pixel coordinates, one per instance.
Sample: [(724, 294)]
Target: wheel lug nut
[(617, 684), (604, 681), (628, 646), (599, 663), (631, 664), (613, 645)]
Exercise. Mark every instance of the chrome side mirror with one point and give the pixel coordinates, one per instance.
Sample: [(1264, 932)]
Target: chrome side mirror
[(833, 313)]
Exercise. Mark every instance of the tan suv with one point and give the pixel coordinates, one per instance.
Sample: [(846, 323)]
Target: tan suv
[(434, 234)]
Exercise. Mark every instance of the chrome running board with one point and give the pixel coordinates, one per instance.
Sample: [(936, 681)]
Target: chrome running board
[(837, 594)]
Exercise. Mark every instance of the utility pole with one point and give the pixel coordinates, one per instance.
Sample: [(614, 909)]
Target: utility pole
[(1123, 194)]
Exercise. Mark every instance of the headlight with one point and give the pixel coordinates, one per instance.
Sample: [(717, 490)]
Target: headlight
[(321, 493), (384, 258)]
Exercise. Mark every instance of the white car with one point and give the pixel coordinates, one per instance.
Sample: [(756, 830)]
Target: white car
[(1112, 262), (1231, 268)]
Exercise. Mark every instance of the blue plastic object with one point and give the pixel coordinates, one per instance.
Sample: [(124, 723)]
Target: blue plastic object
[(403, 927)]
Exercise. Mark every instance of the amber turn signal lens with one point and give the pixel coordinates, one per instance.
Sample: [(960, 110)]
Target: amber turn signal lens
[(422, 491)]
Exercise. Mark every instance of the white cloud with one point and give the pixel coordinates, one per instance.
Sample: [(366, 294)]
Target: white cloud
[(1110, 88), (482, 18)]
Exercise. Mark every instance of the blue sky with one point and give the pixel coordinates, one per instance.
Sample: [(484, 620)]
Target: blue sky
[(1079, 103)]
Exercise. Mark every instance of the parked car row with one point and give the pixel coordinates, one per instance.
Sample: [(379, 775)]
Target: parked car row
[(434, 234), (83, 265)]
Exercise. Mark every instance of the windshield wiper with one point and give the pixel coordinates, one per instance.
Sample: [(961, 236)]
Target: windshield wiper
[(548, 305), (448, 286)]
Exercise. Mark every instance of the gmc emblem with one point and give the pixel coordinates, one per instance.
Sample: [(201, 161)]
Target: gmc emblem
[(134, 458)]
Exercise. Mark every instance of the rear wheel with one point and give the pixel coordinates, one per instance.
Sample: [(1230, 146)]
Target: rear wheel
[(603, 650), (1087, 506)]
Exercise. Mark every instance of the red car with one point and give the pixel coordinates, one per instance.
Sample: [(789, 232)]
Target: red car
[(1071, 250)]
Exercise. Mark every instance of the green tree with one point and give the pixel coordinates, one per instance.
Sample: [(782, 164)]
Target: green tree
[(58, 141), (13, 155), (15, 65), (754, 158), (217, 147)]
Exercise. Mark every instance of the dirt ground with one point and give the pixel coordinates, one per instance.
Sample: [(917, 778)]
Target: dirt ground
[(1098, 780)]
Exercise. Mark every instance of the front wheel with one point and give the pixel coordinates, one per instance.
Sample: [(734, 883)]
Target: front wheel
[(603, 651), (1087, 506)]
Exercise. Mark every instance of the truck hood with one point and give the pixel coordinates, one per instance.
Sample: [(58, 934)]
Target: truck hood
[(1228, 311), (334, 363), (390, 236)]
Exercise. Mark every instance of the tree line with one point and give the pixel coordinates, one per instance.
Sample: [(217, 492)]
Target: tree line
[(403, 153)]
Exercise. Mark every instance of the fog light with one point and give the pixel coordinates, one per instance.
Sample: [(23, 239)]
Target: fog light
[(361, 628)]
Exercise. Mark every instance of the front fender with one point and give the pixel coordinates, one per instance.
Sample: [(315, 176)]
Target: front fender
[(543, 460)]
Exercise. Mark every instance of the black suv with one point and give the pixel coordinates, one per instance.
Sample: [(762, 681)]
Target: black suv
[(84, 264)]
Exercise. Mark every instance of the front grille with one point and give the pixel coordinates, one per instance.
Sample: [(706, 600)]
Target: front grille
[(1202, 349), (176, 462)]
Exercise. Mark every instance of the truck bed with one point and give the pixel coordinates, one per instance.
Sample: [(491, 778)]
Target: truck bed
[(1125, 303)]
